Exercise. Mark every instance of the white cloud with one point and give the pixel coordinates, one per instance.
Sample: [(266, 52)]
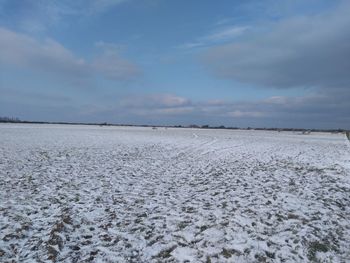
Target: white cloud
[(114, 67), (51, 57), (155, 101), (163, 111), (47, 55), (169, 100), (244, 114)]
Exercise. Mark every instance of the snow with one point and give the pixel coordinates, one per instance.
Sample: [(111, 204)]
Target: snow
[(125, 194)]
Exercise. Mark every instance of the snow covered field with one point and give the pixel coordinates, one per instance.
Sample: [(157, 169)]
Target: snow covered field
[(122, 194)]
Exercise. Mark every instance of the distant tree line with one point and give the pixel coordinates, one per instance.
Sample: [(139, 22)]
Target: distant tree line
[(304, 131), (9, 119)]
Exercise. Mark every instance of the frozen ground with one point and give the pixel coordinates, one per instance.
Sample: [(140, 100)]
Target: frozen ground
[(107, 194)]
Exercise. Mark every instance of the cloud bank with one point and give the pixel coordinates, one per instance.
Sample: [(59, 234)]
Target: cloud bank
[(51, 57), (313, 111), (312, 51)]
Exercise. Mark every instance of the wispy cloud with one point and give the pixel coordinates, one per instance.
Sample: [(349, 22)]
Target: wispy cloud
[(107, 47), (217, 37), (40, 15), (226, 34), (95, 6), (191, 45)]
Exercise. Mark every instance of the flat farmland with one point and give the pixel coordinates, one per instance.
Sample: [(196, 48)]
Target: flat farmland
[(71, 193)]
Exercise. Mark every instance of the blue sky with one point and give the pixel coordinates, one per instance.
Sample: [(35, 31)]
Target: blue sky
[(235, 63)]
